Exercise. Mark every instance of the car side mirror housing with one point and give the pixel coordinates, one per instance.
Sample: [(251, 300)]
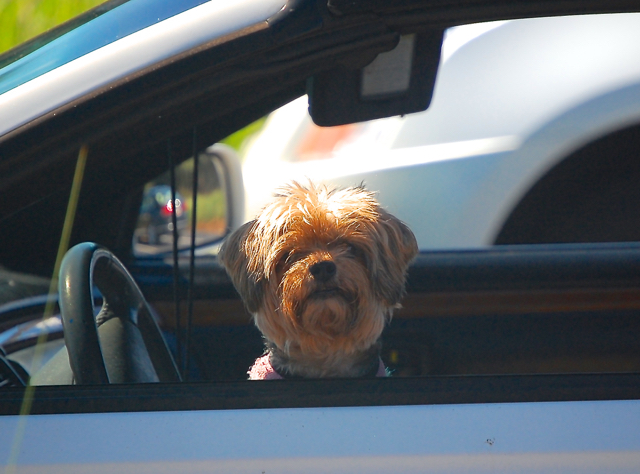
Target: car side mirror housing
[(229, 169), (396, 82)]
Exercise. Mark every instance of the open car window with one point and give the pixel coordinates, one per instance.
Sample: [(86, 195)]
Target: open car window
[(517, 185)]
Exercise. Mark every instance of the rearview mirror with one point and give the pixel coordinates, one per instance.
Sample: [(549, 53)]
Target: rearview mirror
[(396, 82)]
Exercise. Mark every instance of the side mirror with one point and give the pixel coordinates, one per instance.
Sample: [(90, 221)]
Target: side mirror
[(396, 82), (229, 172), (219, 206)]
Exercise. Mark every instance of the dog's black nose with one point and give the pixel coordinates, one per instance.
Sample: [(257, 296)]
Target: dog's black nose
[(323, 271)]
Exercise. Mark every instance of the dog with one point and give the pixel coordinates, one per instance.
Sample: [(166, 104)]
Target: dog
[(321, 270)]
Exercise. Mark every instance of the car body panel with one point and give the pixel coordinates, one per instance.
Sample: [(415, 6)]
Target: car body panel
[(518, 437), (465, 201), (525, 73)]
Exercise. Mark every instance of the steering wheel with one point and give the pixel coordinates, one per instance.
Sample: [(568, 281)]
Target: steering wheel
[(122, 343)]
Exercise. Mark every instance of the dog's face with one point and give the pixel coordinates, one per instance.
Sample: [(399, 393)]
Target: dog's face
[(320, 269)]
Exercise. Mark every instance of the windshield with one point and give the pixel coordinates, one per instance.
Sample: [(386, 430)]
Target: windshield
[(115, 20)]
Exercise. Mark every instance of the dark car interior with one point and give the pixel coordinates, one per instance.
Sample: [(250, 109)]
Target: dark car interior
[(536, 309)]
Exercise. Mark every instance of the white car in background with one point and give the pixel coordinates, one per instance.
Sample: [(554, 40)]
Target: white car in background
[(509, 132)]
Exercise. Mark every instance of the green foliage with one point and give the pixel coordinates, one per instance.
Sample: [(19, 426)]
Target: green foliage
[(238, 139), (21, 20)]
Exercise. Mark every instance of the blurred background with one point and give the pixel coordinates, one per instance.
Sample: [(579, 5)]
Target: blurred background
[(21, 20)]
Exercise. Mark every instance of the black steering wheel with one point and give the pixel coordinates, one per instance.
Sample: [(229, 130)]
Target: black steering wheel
[(122, 343)]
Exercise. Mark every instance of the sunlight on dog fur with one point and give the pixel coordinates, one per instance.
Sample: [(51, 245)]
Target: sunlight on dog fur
[(321, 270)]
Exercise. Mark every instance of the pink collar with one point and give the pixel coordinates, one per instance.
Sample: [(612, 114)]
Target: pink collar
[(263, 370)]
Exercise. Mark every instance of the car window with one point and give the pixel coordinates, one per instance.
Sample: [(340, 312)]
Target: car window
[(483, 171), (456, 193)]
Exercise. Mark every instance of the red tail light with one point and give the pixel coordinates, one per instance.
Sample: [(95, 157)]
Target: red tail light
[(168, 208)]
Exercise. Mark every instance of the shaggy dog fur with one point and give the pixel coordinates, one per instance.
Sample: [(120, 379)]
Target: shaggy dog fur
[(321, 270)]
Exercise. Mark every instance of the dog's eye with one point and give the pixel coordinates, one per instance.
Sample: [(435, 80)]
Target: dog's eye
[(356, 251), (284, 258), (289, 258)]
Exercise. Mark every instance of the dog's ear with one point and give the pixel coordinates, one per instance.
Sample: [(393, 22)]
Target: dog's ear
[(397, 246), (233, 255), (403, 240)]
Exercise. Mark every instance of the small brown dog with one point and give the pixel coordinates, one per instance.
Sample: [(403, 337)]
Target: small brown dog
[(321, 270)]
